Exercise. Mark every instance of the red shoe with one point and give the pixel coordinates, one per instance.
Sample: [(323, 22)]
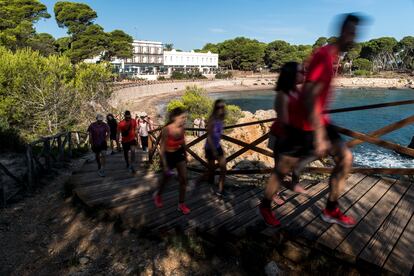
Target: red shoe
[(268, 216), (183, 208), (336, 216), (157, 200)]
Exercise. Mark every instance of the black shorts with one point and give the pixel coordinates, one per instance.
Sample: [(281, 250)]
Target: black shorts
[(299, 143), (127, 145), (112, 136), (99, 148), (175, 157), (210, 155)]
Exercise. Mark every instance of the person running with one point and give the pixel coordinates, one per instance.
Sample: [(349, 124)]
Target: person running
[(312, 132), (127, 128), (174, 156), (144, 127), (213, 150), (113, 126), (98, 135), (290, 78)]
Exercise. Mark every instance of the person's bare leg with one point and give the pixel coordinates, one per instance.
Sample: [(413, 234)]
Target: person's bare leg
[(343, 163), (103, 160), (162, 183), (182, 178), (132, 154), (283, 167), (98, 160), (222, 165)]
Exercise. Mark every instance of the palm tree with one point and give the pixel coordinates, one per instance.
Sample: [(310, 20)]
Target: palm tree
[(168, 46)]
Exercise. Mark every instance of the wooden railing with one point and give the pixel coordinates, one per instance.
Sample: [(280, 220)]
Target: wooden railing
[(42, 156), (358, 138)]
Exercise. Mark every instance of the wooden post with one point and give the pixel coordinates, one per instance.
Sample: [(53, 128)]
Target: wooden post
[(29, 163), (69, 137), (60, 148), (47, 153)]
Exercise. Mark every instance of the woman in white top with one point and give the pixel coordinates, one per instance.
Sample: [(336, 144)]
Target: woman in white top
[(143, 128)]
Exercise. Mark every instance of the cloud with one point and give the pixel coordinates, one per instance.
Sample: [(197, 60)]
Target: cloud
[(216, 30)]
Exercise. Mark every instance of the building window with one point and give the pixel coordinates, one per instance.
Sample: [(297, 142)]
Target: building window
[(171, 58)]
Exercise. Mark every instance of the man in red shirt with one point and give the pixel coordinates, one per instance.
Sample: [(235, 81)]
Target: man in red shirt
[(127, 128), (310, 132), (98, 136)]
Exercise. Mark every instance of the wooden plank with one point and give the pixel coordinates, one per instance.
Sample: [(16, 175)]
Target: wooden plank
[(214, 208), (305, 214), (400, 260), (251, 217), (320, 189), (360, 235), (382, 243), (317, 227), (361, 203)]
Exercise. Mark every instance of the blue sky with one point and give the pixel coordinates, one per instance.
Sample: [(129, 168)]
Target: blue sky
[(189, 24)]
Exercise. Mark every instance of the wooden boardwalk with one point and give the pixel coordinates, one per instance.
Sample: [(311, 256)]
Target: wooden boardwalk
[(384, 209)]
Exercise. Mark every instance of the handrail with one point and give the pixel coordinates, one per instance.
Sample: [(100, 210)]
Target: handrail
[(358, 138)]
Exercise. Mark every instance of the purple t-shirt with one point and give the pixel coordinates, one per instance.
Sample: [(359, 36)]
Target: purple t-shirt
[(216, 135), (98, 132)]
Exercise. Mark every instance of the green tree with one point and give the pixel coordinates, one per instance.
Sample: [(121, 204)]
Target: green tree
[(120, 45), (214, 48), (76, 17), (405, 49), (44, 43), (168, 47), (242, 53), (381, 52), (90, 43), (16, 21), (362, 64), (320, 42), (279, 52), (63, 44)]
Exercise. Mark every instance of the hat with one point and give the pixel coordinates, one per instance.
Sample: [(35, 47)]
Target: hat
[(127, 113), (144, 114), (99, 117)]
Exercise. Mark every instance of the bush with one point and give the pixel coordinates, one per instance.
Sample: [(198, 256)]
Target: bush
[(177, 75), (362, 73), (226, 75), (362, 64), (161, 78), (41, 96), (198, 104)]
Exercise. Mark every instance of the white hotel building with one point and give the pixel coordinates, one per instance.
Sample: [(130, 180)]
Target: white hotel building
[(203, 62), (149, 60)]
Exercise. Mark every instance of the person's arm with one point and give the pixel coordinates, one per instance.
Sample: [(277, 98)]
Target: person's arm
[(312, 91), (210, 131), (281, 107), (164, 134), (108, 132)]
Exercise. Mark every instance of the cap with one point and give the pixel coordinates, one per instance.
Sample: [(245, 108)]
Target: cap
[(99, 117), (127, 113), (144, 114)]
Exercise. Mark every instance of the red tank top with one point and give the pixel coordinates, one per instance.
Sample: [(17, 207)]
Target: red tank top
[(174, 143)]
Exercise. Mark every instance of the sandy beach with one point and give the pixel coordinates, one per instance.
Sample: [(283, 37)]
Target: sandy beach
[(147, 98)]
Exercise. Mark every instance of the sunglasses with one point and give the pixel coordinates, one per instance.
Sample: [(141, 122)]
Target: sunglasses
[(221, 106)]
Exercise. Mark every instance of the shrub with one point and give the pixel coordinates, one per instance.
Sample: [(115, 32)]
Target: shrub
[(363, 73), (161, 78), (198, 104), (362, 64), (226, 75), (177, 75)]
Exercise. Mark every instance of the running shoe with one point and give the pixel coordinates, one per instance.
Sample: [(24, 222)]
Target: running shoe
[(131, 169), (336, 216), (157, 200), (183, 208), (268, 216), (101, 173)]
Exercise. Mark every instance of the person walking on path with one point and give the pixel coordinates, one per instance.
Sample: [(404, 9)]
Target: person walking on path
[(196, 124), (291, 76), (144, 127), (203, 126), (312, 132), (98, 136), (113, 126), (174, 156), (127, 128), (213, 150)]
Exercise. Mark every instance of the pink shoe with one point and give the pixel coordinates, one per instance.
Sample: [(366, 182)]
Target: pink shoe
[(183, 208), (157, 200)]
